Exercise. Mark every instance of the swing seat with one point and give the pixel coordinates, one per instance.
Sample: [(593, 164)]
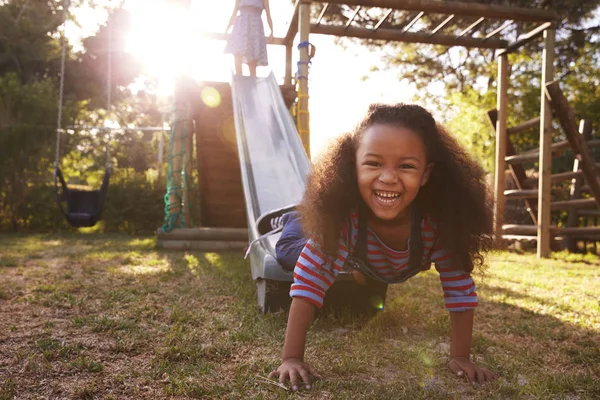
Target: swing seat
[(84, 207)]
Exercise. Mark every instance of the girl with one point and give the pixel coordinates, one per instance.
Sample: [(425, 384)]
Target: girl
[(402, 189), (247, 41)]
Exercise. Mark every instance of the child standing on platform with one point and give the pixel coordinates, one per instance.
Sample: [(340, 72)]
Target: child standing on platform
[(247, 41)]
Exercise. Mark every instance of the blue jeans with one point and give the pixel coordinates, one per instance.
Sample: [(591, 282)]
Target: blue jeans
[(292, 241)]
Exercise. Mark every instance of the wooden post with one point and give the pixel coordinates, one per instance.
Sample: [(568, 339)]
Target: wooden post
[(545, 169), (188, 159), (501, 96), (288, 64), (303, 115), (175, 160), (585, 129)]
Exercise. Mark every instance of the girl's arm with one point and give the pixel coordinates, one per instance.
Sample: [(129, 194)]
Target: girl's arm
[(293, 366), (460, 298), (233, 15), (462, 332), (268, 11), (460, 349), (299, 320)]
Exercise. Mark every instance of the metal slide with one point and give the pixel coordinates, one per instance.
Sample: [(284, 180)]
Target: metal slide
[(273, 163)]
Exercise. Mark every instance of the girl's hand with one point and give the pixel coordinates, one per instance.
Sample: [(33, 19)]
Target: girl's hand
[(292, 368), (463, 367)]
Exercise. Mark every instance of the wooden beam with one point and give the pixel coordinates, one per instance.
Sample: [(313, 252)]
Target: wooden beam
[(409, 37), (521, 194), (499, 180), (579, 203), (583, 230), (441, 25), (585, 129), (533, 154), (545, 163), (293, 28), (322, 14), (204, 233), (526, 38), (556, 178), (224, 36), (567, 121), (589, 213), (471, 27), (499, 29), (514, 229), (288, 64), (351, 19), (558, 147), (531, 229), (382, 20), (517, 171), (522, 158), (200, 245), (457, 8), (413, 21), (524, 126)]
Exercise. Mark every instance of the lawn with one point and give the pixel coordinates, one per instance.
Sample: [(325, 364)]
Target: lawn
[(110, 317)]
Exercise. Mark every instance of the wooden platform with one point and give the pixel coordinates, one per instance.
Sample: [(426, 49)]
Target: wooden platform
[(203, 239)]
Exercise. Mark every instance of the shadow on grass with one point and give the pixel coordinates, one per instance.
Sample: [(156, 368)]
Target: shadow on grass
[(187, 324)]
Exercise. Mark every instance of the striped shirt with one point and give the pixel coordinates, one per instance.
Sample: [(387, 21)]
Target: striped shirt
[(315, 273)]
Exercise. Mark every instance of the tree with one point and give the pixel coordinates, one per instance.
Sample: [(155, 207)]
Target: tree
[(469, 75), (25, 109), (30, 53)]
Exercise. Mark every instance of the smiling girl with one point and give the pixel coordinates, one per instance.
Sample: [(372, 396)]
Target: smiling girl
[(389, 199)]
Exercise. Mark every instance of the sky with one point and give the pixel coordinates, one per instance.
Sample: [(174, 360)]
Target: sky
[(168, 39)]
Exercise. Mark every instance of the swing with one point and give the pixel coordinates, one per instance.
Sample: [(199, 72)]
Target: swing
[(83, 207)]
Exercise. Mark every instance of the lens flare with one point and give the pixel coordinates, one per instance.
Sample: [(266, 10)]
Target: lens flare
[(377, 302), (211, 97)]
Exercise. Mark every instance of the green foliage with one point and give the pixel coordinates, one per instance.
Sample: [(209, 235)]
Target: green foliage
[(30, 52), (26, 110), (134, 205), (472, 127)]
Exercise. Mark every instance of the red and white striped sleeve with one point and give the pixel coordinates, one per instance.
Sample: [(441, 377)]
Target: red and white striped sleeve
[(458, 286), (315, 272)]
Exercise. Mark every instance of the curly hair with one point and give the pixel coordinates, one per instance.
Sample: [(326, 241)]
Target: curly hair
[(456, 195)]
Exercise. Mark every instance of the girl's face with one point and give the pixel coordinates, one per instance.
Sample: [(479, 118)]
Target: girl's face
[(391, 167)]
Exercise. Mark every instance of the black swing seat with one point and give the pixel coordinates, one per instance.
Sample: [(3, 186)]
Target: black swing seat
[(84, 207)]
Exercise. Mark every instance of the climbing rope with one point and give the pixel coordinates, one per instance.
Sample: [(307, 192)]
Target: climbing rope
[(178, 181)]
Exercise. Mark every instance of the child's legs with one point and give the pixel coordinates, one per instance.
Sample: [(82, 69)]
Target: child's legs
[(291, 243), (252, 67), (238, 65)]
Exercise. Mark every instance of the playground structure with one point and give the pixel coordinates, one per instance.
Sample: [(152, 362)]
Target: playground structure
[(224, 223), (585, 170)]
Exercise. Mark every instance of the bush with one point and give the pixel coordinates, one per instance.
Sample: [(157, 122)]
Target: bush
[(134, 205)]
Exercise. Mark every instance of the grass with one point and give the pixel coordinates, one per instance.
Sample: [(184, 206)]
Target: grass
[(107, 317)]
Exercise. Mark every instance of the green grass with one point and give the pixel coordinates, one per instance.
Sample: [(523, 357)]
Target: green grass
[(102, 316)]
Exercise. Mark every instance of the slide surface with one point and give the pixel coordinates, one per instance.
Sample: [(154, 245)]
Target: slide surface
[(273, 163)]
